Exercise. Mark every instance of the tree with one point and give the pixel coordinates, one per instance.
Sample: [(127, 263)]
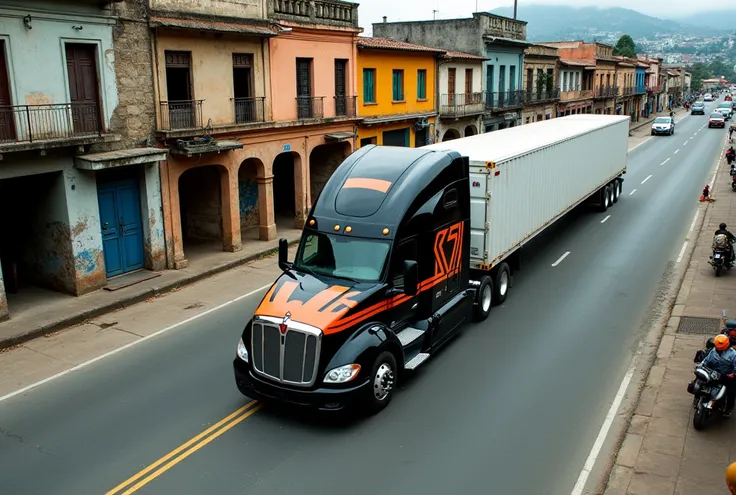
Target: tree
[(721, 69), (699, 71), (625, 47)]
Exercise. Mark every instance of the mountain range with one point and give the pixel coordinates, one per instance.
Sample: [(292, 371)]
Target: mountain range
[(546, 22)]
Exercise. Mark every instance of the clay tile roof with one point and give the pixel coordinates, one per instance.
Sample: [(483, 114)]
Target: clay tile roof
[(212, 25), (465, 56), (387, 44), (577, 62)]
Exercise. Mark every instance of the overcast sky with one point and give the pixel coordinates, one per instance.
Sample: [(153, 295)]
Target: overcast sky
[(371, 11)]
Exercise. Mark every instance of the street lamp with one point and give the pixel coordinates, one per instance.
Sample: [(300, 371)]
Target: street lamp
[(515, 1)]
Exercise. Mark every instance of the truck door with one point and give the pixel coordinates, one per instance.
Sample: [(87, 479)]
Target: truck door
[(406, 249)]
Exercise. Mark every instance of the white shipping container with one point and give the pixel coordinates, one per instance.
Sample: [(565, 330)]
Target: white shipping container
[(524, 178)]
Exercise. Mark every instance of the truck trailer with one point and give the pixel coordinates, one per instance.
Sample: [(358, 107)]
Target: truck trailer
[(404, 246)]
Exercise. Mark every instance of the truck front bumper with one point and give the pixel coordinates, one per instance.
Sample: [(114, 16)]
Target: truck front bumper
[(323, 399)]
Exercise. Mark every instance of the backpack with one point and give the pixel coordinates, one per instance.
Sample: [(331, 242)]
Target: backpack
[(720, 241)]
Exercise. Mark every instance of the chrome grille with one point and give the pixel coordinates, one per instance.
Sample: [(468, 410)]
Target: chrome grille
[(291, 358)]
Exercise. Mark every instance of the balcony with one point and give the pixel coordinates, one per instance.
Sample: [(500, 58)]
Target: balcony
[(345, 106), (326, 12), (503, 100), (606, 92), (640, 90), (674, 89), (24, 127), (181, 115), (310, 107), (581, 94), (249, 110), (657, 88), (541, 95), (627, 91), (461, 105)]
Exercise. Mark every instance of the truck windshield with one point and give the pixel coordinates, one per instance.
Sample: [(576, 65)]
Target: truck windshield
[(342, 257)]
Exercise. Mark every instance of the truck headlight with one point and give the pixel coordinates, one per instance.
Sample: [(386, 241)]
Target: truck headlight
[(342, 374), (242, 351)]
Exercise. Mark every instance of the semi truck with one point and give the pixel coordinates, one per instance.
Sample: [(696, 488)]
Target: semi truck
[(404, 246)]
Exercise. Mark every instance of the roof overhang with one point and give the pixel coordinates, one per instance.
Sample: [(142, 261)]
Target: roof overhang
[(506, 41), (340, 136), (120, 158), (217, 25), (190, 149)]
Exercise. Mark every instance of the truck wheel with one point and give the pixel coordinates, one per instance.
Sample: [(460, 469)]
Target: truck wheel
[(383, 383), (483, 299), (612, 194), (501, 284), (616, 190), (604, 195)]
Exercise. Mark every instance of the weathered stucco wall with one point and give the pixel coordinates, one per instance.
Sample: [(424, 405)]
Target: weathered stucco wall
[(460, 67), (248, 9), (201, 206), (37, 56), (153, 221), (212, 70), (462, 35), (248, 196)]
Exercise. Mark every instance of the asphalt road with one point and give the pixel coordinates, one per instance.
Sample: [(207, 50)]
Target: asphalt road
[(512, 406)]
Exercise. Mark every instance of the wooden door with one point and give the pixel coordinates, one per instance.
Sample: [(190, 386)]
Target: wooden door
[(83, 87), (451, 87), (7, 117), (304, 88), (469, 86), (341, 87)]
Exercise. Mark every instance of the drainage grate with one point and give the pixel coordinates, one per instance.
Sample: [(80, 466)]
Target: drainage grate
[(699, 326)]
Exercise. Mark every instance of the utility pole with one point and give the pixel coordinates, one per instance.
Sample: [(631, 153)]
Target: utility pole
[(515, 1), (434, 15)]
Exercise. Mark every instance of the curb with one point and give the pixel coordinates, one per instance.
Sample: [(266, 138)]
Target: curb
[(660, 347), (85, 316)]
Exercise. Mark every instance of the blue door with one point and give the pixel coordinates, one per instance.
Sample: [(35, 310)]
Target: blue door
[(122, 230)]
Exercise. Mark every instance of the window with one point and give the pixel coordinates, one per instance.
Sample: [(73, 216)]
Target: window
[(529, 80), (398, 85), (342, 257), (512, 78), (564, 81), (422, 84), (369, 85), (243, 89), (468, 84), (368, 140), (550, 79)]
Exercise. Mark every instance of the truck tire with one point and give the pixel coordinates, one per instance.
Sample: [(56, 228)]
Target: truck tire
[(603, 198), (616, 190), (383, 383), (611, 194), (483, 299), (501, 284)]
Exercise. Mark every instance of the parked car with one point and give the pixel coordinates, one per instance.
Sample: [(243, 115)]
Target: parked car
[(663, 125), (728, 97), (708, 97), (726, 109), (698, 108), (716, 120)]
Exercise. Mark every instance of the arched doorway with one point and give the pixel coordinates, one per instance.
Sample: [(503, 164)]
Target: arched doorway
[(251, 210), (284, 188), (450, 134), (471, 130), (200, 208), (323, 161)]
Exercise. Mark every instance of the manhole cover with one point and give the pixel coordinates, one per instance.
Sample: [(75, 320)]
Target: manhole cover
[(699, 326)]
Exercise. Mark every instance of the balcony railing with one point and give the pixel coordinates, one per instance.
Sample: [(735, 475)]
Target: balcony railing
[(182, 114), (580, 94), (458, 105), (249, 110), (503, 99), (627, 91), (30, 123), (606, 92), (640, 90), (674, 89), (541, 95), (345, 106), (657, 88), (310, 107), (316, 11)]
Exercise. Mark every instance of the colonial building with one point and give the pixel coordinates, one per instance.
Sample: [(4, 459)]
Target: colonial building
[(257, 106), (675, 81), (462, 103), (80, 196), (500, 40), (625, 81), (396, 92), (541, 87), (655, 101), (575, 82), (596, 55)]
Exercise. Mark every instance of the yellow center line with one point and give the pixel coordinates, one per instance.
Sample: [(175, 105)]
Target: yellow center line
[(236, 417)]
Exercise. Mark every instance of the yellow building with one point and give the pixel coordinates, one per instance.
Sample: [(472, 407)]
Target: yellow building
[(396, 92)]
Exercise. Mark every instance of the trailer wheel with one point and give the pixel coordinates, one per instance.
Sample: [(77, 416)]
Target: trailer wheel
[(616, 190), (501, 284), (611, 194), (604, 197), (483, 299), (620, 185), (383, 383)]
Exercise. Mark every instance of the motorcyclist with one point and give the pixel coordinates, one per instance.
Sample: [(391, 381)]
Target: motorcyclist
[(730, 155), (723, 230), (722, 358)]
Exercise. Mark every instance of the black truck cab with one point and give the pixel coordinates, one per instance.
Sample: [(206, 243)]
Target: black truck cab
[(380, 280)]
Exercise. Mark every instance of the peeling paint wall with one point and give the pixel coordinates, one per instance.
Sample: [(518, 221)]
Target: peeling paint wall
[(153, 220), (248, 197), (248, 9), (201, 204)]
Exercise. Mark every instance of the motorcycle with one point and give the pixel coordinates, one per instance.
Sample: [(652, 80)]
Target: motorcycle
[(709, 395), (733, 177), (720, 261)]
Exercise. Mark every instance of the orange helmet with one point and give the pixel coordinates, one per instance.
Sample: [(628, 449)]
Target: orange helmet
[(722, 342), (731, 478)]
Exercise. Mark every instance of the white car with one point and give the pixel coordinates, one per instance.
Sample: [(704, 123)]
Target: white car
[(708, 97), (663, 125)]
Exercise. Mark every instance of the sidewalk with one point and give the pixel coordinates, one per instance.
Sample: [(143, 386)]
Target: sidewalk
[(661, 453), (36, 312)]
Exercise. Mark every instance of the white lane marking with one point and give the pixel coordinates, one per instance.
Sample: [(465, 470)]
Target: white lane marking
[(646, 179), (685, 143), (601, 438), (604, 220), (664, 162), (129, 345), (682, 252), (561, 258), (632, 192), (692, 225), (677, 151)]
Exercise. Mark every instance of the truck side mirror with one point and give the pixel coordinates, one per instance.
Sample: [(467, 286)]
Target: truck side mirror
[(411, 276), (284, 254)]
